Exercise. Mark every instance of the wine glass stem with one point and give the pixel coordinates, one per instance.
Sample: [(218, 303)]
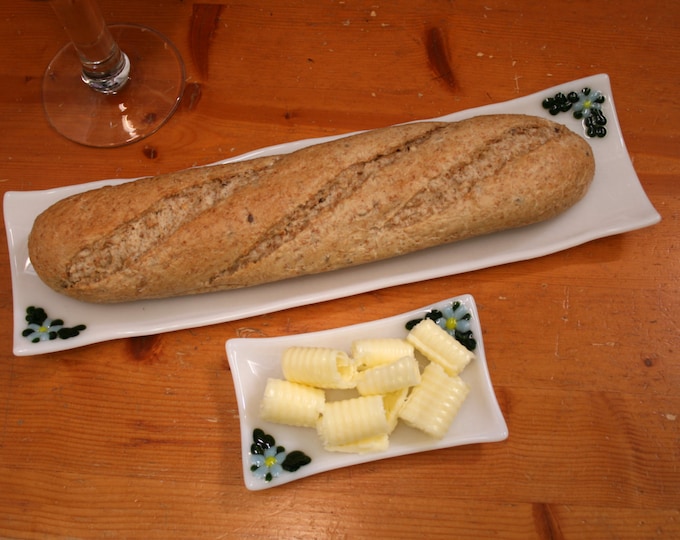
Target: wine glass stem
[(105, 67)]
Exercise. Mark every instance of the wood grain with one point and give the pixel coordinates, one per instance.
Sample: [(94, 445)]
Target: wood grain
[(139, 438)]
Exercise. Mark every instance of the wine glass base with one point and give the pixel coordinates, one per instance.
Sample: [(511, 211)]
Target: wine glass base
[(142, 105)]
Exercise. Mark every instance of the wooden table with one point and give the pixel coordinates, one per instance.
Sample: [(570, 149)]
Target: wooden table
[(139, 437)]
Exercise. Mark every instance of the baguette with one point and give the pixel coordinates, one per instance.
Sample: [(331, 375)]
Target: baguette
[(371, 196)]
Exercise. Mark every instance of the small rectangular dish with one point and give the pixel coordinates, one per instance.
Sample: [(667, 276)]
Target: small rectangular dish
[(254, 360)]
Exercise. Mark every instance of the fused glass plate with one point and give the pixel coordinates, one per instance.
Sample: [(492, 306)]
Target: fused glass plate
[(254, 360), (615, 203)]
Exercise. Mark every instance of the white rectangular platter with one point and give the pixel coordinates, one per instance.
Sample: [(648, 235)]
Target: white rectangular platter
[(615, 203)]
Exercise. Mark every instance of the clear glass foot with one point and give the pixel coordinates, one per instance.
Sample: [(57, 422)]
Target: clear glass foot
[(133, 108)]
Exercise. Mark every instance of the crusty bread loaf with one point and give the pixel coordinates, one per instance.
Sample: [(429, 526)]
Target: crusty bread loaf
[(358, 199)]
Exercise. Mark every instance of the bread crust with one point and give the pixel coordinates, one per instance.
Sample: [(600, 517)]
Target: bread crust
[(371, 196)]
